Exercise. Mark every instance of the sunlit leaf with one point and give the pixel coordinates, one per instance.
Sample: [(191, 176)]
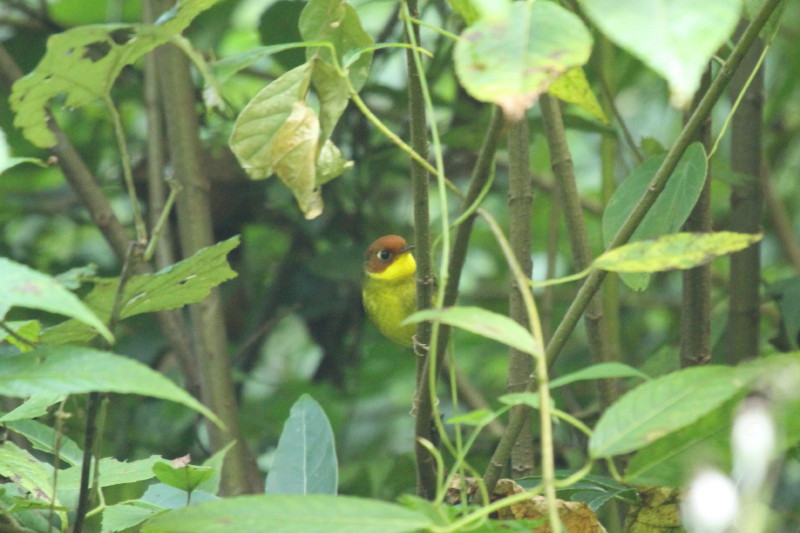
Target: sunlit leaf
[(678, 251), (19, 466)]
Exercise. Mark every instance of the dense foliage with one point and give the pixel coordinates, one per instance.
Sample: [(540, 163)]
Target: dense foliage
[(186, 191)]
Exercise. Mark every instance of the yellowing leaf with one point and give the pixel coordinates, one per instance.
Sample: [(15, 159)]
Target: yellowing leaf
[(677, 251), (294, 154), (573, 87)]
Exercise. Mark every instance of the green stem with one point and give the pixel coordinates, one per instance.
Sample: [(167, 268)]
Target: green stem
[(125, 159)]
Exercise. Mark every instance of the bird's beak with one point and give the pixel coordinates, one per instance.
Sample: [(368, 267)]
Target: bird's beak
[(407, 249)]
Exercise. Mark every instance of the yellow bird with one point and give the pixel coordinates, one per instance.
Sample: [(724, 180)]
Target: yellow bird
[(389, 290)]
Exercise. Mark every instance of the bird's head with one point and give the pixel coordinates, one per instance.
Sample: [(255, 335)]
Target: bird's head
[(389, 258)]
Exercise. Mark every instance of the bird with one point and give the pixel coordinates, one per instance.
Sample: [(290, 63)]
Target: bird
[(389, 289)]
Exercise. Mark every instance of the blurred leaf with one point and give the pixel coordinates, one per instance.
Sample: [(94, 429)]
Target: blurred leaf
[(315, 513), (305, 461), (255, 128), (479, 417), (661, 406), (330, 163), (185, 282), (599, 371), (510, 60), (33, 407), (226, 67), (26, 330), (11, 162), (337, 22), (24, 469), (481, 322), (279, 25), (45, 438), (186, 478), (789, 304), (128, 514), (670, 210), (333, 96), (293, 155), (676, 38), (677, 251), (169, 497), (215, 462), (84, 62), (573, 87), (467, 10), (674, 459), (112, 472), (73, 370), (25, 287)]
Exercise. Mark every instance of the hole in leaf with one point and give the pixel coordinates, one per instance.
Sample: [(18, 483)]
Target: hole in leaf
[(96, 51)]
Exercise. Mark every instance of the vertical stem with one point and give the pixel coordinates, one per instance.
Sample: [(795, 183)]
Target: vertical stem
[(426, 478), (746, 210), (567, 189), (608, 158), (520, 202), (195, 231), (696, 290)]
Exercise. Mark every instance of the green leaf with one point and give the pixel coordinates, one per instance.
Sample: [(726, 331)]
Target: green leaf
[(215, 462), (255, 127), (478, 417), (112, 472), (73, 370), (185, 282), (336, 22), (24, 469), (679, 251), (186, 478), (674, 459), (25, 287), (574, 88), (293, 156), (512, 58), (481, 322), (599, 371), (661, 406), (128, 514), (305, 461), (226, 67), (671, 208), (676, 38), (11, 162), (333, 96), (466, 8), (84, 62), (289, 513), (44, 438), (26, 330), (33, 407)]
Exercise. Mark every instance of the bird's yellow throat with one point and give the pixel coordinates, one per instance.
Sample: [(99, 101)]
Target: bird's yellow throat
[(403, 267)]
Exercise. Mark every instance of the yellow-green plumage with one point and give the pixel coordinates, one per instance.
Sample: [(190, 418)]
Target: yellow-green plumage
[(389, 290)]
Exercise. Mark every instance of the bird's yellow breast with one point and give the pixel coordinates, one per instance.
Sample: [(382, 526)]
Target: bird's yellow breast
[(390, 297)]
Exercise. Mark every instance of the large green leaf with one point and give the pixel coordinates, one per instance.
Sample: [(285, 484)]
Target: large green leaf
[(112, 472), (513, 56), (45, 438), (677, 251), (661, 406), (671, 461), (185, 282), (73, 370), (671, 208), (21, 286), (186, 478), (676, 38), (305, 461), (482, 322), (24, 469), (289, 513), (83, 63)]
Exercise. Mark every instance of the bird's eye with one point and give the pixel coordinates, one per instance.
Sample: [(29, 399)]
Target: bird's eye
[(384, 255)]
